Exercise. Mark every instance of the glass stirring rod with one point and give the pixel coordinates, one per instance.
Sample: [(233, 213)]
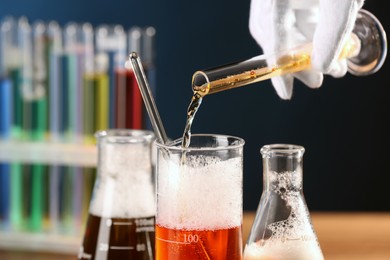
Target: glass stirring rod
[(135, 63), (366, 51)]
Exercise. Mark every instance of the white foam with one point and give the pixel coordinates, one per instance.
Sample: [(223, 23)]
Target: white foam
[(124, 188), (284, 250), (288, 185), (203, 193), (293, 238)]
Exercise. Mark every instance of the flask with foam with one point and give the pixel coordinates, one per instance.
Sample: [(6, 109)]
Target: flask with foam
[(122, 209), (282, 228)]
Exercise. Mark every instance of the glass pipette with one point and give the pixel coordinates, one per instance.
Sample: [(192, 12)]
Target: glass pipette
[(366, 51)]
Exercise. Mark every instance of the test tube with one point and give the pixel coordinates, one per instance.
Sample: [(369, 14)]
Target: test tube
[(5, 87), (54, 33), (15, 33), (88, 110), (33, 96), (40, 81), (129, 106), (253, 70), (72, 52), (148, 57), (13, 65), (38, 116), (365, 50), (83, 177), (101, 102), (67, 91), (71, 177), (25, 34), (89, 85), (111, 40), (19, 51), (5, 128), (95, 103)]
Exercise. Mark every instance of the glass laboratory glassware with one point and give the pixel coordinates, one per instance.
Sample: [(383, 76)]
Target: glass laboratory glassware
[(365, 51), (121, 220), (129, 106), (282, 228), (111, 43), (199, 198)]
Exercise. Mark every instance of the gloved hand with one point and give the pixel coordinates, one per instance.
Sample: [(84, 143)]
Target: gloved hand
[(279, 25)]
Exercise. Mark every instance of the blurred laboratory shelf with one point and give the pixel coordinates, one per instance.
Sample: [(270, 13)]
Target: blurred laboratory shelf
[(20, 245), (342, 236), (48, 153)]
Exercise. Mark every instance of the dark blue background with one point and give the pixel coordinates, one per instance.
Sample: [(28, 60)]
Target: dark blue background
[(343, 125)]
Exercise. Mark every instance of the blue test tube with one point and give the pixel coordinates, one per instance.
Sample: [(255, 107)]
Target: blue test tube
[(5, 128), (14, 33)]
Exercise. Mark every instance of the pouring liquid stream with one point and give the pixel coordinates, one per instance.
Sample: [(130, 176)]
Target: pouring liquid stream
[(292, 64), (259, 68), (288, 64), (250, 71)]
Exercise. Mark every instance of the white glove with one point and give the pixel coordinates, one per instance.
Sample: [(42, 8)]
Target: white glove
[(279, 25)]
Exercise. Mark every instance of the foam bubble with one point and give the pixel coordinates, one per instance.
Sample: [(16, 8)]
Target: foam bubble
[(283, 250), (203, 193), (288, 185), (293, 238), (124, 188)]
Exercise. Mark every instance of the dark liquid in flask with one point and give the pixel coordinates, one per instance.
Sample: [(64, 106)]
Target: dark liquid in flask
[(118, 238)]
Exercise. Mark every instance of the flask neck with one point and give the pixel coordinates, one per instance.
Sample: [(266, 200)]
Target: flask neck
[(283, 167), (124, 152), (124, 171)]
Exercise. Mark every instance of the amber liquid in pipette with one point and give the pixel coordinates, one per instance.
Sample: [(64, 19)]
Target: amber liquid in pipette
[(296, 60), (286, 64)]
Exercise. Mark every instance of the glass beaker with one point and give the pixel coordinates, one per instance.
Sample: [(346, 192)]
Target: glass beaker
[(282, 228), (199, 198), (121, 220)]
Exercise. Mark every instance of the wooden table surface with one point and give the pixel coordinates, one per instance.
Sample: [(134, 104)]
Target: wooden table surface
[(348, 236), (342, 236)]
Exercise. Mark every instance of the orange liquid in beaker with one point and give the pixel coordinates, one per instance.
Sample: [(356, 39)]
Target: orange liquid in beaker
[(198, 244)]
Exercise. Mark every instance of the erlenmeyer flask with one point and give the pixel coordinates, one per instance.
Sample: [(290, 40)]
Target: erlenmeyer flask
[(282, 228), (122, 209)]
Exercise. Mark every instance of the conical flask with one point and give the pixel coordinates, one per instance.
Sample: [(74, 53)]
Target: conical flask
[(122, 210), (282, 228)]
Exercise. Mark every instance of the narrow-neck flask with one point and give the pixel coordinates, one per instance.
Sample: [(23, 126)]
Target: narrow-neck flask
[(122, 209), (282, 228)]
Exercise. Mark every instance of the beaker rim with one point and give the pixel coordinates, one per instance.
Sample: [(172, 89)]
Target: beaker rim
[(231, 142), (126, 135), (282, 149)]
